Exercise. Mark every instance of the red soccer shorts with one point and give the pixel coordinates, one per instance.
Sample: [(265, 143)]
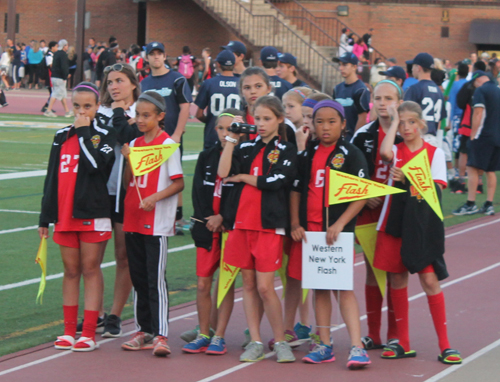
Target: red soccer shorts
[(246, 249), (207, 261), (72, 239)]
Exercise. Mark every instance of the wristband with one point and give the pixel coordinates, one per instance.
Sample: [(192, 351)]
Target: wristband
[(232, 140)]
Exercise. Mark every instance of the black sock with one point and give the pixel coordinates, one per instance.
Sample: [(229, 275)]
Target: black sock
[(470, 204), (178, 214), (488, 203)]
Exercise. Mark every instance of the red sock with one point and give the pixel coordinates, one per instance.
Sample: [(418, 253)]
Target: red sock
[(392, 330), (401, 307), (90, 318), (374, 301), (438, 313), (70, 319)]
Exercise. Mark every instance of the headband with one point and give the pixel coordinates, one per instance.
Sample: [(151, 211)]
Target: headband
[(154, 101), (226, 115), (393, 84), (308, 102), (329, 103), (299, 92), (87, 87)]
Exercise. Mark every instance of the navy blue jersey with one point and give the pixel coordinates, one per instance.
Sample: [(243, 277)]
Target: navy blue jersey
[(430, 98), (299, 83), (487, 96), (280, 86), (174, 89), (355, 98), (217, 94)]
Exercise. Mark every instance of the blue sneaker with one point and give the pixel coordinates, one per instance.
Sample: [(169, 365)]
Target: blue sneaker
[(322, 353), (199, 345), (358, 358), (302, 331), (217, 346)]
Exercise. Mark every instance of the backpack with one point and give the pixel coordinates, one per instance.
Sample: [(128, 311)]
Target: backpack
[(186, 66)]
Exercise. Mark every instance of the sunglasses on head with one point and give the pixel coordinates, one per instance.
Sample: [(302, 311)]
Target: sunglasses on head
[(113, 68)]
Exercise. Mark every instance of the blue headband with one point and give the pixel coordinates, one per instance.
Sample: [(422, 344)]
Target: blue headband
[(308, 102), (393, 84), (329, 103)]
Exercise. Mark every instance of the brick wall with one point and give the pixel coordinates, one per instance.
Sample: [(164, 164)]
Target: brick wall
[(403, 30)]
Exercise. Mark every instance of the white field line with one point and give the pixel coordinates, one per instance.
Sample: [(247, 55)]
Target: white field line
[(21, 212)]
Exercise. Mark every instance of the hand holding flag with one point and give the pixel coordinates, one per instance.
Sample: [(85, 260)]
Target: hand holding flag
[(41, 259)]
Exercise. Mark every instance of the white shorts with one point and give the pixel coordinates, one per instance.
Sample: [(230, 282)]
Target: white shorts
[(434, 140), (59, 89), (447, 146)]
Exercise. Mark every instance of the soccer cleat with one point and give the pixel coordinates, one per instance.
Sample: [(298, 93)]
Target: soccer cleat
[(289, 337), (284, 352), (160, 346), (321, 354), (100, 325), (217, 346), (479, 189), (140, 341), (64, 342), (302, 331), (358, 358), (465, 210), (199, 345), (248, 339), (253, 352), (112, 327), (85, 344), (487, 209)]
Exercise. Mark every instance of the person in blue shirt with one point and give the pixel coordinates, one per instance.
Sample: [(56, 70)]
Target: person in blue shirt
[(269, 61), (456, 112), (428, 95), (172, 86), (484, 144), (287, 69), (240, 51), (352, 94), (217, 94), (410, 80), (395, 74)]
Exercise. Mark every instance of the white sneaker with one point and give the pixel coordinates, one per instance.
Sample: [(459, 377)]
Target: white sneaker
[(69, 114), (49, 113)]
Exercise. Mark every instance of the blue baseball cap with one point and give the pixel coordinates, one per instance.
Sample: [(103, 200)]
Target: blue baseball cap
[(154, 46), (225, 58), (287, 58), (269, 54), (479, 73), (425, 60), (235, 47), (394, 71), (347, 58)]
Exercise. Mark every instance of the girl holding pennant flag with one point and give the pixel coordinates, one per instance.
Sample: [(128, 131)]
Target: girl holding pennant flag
[(75, 199), (411, 234), (368, 139), (307, 201), (262, 170), (150, 207), (208, 192)]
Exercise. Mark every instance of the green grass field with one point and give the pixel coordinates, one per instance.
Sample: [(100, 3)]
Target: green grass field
[(24, 146)]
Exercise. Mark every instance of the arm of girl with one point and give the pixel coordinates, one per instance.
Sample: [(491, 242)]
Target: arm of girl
[(282, 173), (226, 157), (298, 232), (301, 136), (126, 128), (332, 233), (148, 204), (386, 147), (127, 172)]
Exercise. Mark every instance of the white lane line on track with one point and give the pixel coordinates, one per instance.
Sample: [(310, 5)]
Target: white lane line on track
[(467, 360)]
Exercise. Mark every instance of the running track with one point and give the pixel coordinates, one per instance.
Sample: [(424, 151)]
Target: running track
[(472, 307)]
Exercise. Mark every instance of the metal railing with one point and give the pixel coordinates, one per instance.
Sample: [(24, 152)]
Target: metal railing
[(262, 30), (437, 2)]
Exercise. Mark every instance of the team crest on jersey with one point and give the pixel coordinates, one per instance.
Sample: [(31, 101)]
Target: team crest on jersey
[(96, 139), (338, 161), (415, 193), (273, 156)]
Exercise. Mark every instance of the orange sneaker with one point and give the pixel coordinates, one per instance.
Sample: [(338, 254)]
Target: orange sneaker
[(161, 348)]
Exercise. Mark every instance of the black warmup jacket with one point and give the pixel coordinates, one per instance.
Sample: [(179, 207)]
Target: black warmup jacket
[(275, 183), (204, 179), (349, 160), (91, 194), (60, 65)]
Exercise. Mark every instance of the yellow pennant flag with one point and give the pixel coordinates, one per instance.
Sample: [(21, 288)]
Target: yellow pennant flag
[(367, 237), (41, 259), (418, 172), (148, 158), (282, 273), (347, 188), (227, 274)]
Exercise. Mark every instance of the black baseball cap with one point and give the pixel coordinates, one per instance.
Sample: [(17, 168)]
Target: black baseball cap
[(394, 71), (154, 46), (425, 60), (269, 54), (287, 58), (225, 58), (235, 47), (347, 58)]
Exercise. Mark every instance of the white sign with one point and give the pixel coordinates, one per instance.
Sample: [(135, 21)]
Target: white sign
[(328, 266)]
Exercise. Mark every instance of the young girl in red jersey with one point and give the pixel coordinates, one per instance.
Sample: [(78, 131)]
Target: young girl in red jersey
[(254, 83), (75, 199), (307, 212), (369, 139), (411, 235), (262, 169), (149, 219)]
